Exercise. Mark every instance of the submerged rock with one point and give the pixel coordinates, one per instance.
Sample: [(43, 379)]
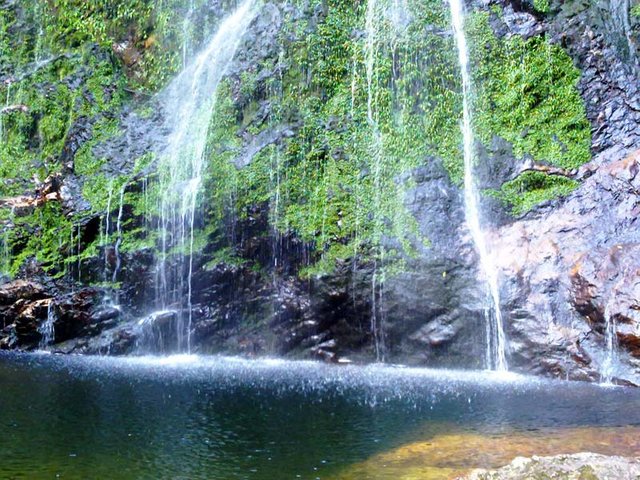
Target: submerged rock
[(581, 466), (456, 454)]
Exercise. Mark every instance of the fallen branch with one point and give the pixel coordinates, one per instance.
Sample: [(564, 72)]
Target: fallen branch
[(14, 108), (548, 169), (47, 191)]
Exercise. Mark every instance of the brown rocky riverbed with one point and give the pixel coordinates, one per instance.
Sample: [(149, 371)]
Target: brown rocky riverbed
[(473, 455)]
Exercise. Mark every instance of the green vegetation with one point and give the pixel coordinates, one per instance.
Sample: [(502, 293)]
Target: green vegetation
[(526, 94), (339, 181), (337, 127), (531, 189), (46, 236), (635, 10), (542, 6), (62, 69)]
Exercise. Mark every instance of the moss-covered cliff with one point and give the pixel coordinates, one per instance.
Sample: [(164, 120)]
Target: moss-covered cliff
[(323, 127), (334, 158)]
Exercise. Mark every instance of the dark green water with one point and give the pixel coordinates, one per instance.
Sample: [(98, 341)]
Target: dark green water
[(224, 418)]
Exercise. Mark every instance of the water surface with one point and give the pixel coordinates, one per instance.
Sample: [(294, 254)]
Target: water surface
[(191, 417)]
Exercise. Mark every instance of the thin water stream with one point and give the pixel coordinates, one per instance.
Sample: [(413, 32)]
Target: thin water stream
[(47, 328), (496, 339), (376, 147)]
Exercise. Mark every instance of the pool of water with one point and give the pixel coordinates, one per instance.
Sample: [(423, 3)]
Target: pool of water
[(189, 417)]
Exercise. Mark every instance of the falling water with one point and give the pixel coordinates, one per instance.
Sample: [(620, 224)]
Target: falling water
[(5, 264), (496, 344), (79, 251), (371, 51), (399, 14), (189, 103), (116, 249), (40, 21), (611, 344), (186, 40), (107, 232), (6, 106), (47, 328)]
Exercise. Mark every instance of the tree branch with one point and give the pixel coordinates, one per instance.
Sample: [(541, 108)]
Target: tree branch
[(548, 169), (14, 108)]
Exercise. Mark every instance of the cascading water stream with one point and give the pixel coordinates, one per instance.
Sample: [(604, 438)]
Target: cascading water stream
[(189, 103), (611, 343), (39, 19), (377, 327), (118, 235), (399, 13), (186, 26), (5, 261), (496, 340), (118, 244), (106, 233), (610, 364), (47, 328)]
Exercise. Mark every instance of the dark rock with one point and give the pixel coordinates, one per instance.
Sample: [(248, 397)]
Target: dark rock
[(108, 313), (522, 23), (21, 289)]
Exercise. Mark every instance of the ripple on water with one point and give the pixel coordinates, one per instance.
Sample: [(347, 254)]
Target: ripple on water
[(203, 417)]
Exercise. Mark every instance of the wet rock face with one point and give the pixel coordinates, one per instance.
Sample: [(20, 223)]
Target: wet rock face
[(581, 466), (25, 306), (568, 268), (569, 265), (599, 41), (605, 287), (433, 315)]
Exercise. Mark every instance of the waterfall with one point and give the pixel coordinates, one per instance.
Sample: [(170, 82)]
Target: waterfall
[(39, 13), (399, 14), (496, 341), (619, 10), (377, 305), (116, 270), (6, 106), (186, 26), (611, 345), (5, 261), (79, 252), (106, 233), (47, 328), (189, 103)]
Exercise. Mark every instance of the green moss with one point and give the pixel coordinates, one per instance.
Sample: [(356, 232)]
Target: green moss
[(73, 62), (526, 93), (635, 10), (531, 189), (44, 236), (338, 180), (542, 6), (339, 183)]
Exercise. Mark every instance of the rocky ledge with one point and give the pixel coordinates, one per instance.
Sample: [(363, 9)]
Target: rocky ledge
[(581, 466)]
